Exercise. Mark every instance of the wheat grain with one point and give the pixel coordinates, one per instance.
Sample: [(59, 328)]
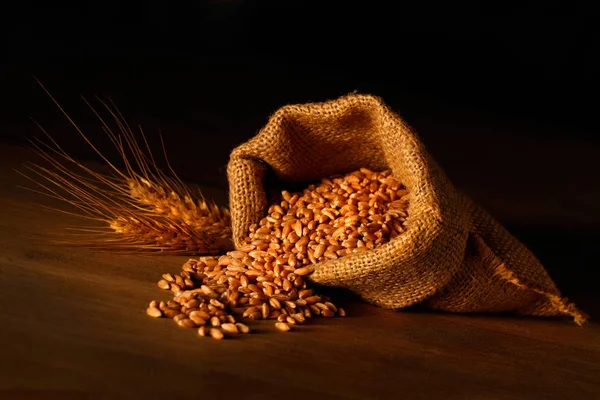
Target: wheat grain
[(230, 329), (203, 331), (265, 278), (216, 333), (154, 312), (197, 319), (163, 284), (243, 328), (282, 327), (186, 323)]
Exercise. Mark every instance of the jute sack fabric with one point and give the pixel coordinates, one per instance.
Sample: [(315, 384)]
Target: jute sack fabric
[(453, 256)]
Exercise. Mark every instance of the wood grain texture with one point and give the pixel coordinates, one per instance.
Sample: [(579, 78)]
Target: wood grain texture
[(73, 326)]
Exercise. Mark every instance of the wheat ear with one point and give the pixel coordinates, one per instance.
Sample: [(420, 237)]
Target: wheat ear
[(142, 208)]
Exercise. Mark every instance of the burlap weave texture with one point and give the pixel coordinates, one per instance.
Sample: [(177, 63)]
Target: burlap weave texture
[(453, 256)]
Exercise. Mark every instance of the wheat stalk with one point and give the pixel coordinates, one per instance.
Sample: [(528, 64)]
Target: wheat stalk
[(140, 207)]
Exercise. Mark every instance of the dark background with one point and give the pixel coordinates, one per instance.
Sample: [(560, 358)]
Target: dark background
[(502, 95), (239, 60), (209, 73)]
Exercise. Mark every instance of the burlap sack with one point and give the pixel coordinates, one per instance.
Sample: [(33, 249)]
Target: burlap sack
[(453, 256)]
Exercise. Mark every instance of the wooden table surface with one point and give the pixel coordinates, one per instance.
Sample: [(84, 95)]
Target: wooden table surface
[(73, 326)]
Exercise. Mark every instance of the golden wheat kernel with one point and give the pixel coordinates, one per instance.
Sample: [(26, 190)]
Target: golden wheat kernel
[(188, 283), (255, 316), (237, 254), (265, 310), (314, 309), (230, 329), (223, 260), (217, 303), (319, 250), (208, 262), (175, 288), (304, 271), (289, 310), (303, 294), (299, 317), (192, 303), (163, 284), (290, 304), (244, 290), (198, 312), (307, 313), (268, 291), (286, 195), (179, 317), (185, 274), (290, 320), (311, 256), (300, 302), (282, 317), (298, 282), (247, 247), (298, 228), (254, 288), (216, 333), (302, 242), (255, 301), (215, 321), (282, 326), (243, 328), (208, 291), (236, 262), (341, 312), (203, 331), (179, 280), (250, 310), (154, 312), (292, 238), (186, 323), (197, 319), (275, 303), (287, 285), (153, 303), (327, 313), (170, 313)]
